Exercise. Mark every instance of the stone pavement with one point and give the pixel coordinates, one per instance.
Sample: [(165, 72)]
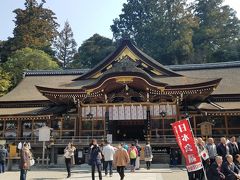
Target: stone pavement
[(60, 174)]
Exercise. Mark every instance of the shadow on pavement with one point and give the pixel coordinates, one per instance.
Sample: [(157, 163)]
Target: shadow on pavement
[(86, 176)]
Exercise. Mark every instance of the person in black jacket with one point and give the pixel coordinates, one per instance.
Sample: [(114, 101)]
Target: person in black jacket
[(222, 148), (230, 170), (233, 146), (95, 159), (215, 171)]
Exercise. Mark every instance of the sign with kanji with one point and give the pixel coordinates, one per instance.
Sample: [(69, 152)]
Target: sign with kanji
[(44, 133), (187, 145), (206, 128), (109, 138)]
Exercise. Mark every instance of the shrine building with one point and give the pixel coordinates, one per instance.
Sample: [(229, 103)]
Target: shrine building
[(128, 95)]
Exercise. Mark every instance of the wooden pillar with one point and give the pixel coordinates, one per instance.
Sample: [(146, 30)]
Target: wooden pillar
[(79, 119), (149, 130), (52, 155), (32, 135), (61, 128), (195, 125), (104, 119), (4, 127), (177, 108), (226, 125), (76, 122), (19, 128)]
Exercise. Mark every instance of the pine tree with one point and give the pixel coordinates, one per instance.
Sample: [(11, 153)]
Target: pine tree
[(65, 46)]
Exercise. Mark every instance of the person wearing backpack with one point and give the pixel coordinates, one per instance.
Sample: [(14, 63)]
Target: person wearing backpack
[(133, 154), (3, 155), (148, 155)]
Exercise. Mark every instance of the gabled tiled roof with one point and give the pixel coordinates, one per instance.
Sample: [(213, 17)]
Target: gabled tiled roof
[(21, 111), (220, 106), (26, 90), (228, 71), (32, 111), (186, 67)]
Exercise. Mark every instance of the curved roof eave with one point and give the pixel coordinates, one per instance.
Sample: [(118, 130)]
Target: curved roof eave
[(151, 82)]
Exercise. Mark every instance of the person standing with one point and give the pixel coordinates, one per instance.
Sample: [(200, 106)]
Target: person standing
[(69, 157), (137, 167), (233, 146), (204, 157), (3, 155), (212, 150), (103, 159), (133, 154), (121, 159), (95, 159), (25, 156), (148, 155), (108, 152), (222, 148)]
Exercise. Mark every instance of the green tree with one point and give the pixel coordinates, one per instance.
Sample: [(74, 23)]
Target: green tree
[(27, 59), (6, 48), (92, 51), (3, 52), (5, 82), (65, 45), (162, 28), (35, 26), (230, 52), (218, 30)]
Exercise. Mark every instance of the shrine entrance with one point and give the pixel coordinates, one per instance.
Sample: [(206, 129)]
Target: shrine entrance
[(128, 130)]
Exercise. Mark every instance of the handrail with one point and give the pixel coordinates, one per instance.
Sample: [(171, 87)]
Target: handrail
[(87, 139)]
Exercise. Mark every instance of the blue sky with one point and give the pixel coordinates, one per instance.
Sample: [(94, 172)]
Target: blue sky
[(86, 17)]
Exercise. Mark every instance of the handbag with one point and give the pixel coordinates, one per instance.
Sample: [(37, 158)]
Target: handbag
[(32, 162)]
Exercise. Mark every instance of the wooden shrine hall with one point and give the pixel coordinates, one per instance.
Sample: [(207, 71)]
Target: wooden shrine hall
[(128, 95)]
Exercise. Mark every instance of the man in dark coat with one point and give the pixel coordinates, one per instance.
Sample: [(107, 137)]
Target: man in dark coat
[(233, 146), (230, 170), (95, 159), (222, 148), (215, 171)]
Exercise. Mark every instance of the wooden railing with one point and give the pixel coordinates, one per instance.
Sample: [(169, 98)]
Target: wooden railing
[(86, 140)]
